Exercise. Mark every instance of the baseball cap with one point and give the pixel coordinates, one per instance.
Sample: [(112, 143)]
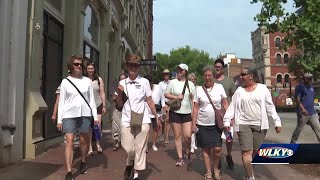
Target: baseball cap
[(183, 66), (308, 75)]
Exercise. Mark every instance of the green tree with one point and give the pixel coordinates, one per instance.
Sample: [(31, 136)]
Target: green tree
[(302, 28), (194, 58)]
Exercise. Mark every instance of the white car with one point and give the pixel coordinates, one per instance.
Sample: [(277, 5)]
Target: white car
[(317, 107)]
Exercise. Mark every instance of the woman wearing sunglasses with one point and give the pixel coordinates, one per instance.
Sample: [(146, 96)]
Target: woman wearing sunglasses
[(250, 107), (75, 111)]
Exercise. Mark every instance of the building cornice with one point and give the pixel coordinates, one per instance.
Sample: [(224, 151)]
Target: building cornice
[(130, 40)]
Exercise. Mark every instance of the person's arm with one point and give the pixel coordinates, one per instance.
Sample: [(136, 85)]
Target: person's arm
[(230, 113), (151, 103), (114, 96), (103, 96), (224, 103), (168, 93), (271, 109), (55, 109), (195, 110), (61, 105), (299, 94), (92, 103)]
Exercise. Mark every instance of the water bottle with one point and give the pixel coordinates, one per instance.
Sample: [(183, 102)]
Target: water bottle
[(228, 137), (96, 132)]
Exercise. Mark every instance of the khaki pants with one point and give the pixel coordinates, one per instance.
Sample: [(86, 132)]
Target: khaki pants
[(134, 141), (313, 121)]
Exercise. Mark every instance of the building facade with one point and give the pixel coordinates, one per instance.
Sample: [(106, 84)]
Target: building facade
[(272, 63), (39, 37)]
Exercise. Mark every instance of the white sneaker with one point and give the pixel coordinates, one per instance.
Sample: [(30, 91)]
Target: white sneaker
[(154, 147), (192, 150)]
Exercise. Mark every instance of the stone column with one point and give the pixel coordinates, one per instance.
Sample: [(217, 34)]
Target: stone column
[(12, 71)]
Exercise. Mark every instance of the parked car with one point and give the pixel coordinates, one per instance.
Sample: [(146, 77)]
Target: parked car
[(317, 107)]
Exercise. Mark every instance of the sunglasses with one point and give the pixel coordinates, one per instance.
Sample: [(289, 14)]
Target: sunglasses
[(244, 74), (78, 64), (218, 67), (133, 64)]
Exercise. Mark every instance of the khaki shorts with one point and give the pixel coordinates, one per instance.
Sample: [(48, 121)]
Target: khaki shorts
[(251, 137)]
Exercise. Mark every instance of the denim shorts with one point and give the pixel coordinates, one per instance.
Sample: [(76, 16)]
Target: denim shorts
[(71, 125)]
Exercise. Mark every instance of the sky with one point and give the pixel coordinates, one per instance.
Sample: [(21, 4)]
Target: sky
[(215, 26)]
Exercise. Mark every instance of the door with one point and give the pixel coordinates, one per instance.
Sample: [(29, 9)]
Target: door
[(51, 69)]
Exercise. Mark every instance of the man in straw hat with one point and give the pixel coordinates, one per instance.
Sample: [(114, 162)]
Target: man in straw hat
[(163, 84)]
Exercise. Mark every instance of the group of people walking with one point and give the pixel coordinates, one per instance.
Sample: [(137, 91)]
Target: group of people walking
[(190, 110)]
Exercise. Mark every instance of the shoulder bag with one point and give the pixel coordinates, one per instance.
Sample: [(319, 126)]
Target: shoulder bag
[(136, 118), (96, 130), (219, 113), (175, 104)]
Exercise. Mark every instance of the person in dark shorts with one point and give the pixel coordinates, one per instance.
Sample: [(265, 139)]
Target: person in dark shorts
[(203, 118), (181, 120)]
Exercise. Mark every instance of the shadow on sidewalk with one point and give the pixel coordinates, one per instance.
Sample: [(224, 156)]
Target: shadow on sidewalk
[(27, 169)]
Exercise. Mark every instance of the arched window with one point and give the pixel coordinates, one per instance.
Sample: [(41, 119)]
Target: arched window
[(286, 59), (279, 78), (278, 59), (278, 42), (287, 78)]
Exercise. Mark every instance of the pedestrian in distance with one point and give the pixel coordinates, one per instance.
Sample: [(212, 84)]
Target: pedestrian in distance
[(76, 110), (165, 111), (181, 89), (158, 98), (229, 87), (306, 113), (135, 117), (250, 107), (192, 77), (203, 118), (116, 119), (100, 100)]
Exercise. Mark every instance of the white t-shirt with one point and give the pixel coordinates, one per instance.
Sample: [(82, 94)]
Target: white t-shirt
[(163, 85), (175, 88), (206, 115), (137, 93), (71, 103), (157, 97)]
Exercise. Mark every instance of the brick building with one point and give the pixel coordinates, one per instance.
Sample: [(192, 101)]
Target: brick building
[(272, 62)]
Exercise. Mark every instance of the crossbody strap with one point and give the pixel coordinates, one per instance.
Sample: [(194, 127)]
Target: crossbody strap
[(205, 90), (80, 94)]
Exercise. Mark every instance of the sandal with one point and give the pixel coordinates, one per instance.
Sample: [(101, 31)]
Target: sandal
[(99, 149), (208, 176), (180, 162)]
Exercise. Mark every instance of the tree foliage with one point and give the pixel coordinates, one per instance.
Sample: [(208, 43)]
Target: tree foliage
[(302, 28), (194, 58)]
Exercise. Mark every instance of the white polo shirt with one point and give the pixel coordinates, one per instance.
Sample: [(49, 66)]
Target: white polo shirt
[(137, 92)]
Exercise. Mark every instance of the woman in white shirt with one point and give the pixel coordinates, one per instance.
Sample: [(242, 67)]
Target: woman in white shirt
[(99, 99), (158, 99), (250, 107), (181, 120), (203, 118), (74, 113), (135, 139)]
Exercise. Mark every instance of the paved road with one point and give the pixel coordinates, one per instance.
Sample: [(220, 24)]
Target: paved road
[(160, 166)]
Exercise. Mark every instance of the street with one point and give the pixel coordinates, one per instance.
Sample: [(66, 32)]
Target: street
[(160, 164)]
